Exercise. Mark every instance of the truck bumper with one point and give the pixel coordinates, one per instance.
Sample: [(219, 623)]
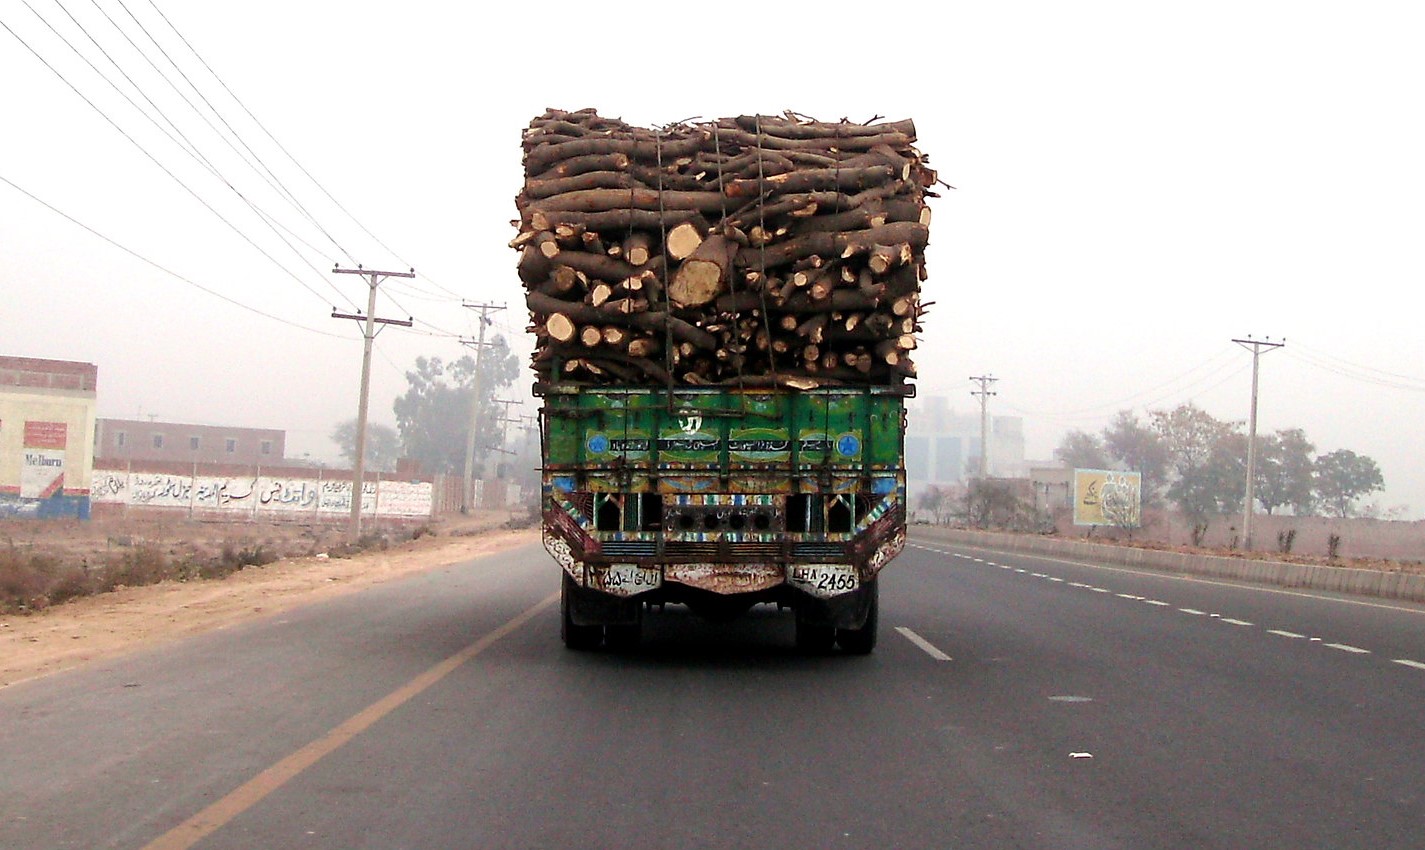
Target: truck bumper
[(653, 580)]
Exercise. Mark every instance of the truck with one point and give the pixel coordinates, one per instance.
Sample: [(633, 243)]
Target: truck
[(723, 313), (721, 499)]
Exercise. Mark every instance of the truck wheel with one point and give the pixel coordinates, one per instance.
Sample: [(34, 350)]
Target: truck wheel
[(863, 640), (575, 636), (815, 638)]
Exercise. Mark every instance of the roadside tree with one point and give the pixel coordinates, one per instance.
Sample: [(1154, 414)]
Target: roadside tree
[(1139, 449), (383, 445), (1342, 477), (1203, 454), (1082, 450), (1284, 472), (434, 414)]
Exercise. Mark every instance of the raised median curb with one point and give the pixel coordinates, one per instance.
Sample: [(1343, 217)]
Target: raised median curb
[(1379, 583)]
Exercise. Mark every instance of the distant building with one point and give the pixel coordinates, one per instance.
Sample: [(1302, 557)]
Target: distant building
[(1053, 485), (46, 437), (942, 446), (142, 440)]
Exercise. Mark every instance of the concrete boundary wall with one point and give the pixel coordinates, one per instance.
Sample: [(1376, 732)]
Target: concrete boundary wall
[(1385, 585)]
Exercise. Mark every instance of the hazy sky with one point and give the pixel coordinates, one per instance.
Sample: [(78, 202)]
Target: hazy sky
[(1137, 184)]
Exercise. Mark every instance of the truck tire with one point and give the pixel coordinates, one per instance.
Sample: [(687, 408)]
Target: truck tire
[(575, 637), (863, 640)]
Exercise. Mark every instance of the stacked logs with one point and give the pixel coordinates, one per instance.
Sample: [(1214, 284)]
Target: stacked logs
[(744, 251)]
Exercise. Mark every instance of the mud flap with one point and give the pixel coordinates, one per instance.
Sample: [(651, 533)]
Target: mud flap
[(591, 608), (846, 611)]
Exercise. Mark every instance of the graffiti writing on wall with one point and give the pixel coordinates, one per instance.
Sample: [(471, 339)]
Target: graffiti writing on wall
[(260, 495)]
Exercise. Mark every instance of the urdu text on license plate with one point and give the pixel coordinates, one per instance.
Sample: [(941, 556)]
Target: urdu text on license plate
[(628, 579)]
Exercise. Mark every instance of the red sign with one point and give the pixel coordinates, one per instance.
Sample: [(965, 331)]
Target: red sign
[(46, 435)]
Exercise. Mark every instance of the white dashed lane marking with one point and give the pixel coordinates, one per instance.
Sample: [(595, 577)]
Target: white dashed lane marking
[(924, 644), (940, 656)]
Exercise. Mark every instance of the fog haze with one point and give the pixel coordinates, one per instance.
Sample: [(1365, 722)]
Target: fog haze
[(1136, 185)]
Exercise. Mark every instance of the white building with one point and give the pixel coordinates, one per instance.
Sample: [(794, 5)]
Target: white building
[(942, 445)]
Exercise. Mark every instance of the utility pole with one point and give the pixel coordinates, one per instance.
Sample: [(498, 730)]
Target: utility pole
[(984, 393), (467, 501), (369, 331), (1256, 347), (505, 419)]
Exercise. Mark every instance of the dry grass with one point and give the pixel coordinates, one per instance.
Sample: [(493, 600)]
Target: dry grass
[(46, 563)]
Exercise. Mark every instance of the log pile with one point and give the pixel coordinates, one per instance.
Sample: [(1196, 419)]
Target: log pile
[(749, 251)]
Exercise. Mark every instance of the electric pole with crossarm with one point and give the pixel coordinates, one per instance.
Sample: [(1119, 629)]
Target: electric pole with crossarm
[(1256, 346), (984, 393), (369, 331), (467, 501)]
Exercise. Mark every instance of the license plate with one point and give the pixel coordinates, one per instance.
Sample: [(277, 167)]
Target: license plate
[(627, 579), (824, 579)]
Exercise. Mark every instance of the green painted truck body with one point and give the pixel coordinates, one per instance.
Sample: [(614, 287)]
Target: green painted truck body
[(722, 498)]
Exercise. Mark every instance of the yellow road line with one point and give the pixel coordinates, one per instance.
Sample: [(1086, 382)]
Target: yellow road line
[(250, 793)]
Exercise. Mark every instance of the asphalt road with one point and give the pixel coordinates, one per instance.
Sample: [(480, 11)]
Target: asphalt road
[(1013, 702)]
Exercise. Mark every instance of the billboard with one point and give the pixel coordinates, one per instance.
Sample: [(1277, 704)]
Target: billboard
[(42, 460), (46, 437), (1108, 497)]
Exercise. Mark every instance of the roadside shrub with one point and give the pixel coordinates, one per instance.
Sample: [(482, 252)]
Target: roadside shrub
[(141, 565), (1285, 540), (235, 556), (373, 540), (1333, 546), (73, 583), (24, 579)]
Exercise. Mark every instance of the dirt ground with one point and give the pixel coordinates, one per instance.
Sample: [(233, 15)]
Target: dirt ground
[(84, 630)]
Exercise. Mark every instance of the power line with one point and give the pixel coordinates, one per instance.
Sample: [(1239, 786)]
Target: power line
[(1354, 371), (276, 187), (186, 144), (182, 141), (283, 149), (279, 186), (1213, 366), (450, 294), (166, 271), (161, 166)]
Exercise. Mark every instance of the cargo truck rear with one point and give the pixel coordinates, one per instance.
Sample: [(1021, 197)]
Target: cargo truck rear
[(721, 499)]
